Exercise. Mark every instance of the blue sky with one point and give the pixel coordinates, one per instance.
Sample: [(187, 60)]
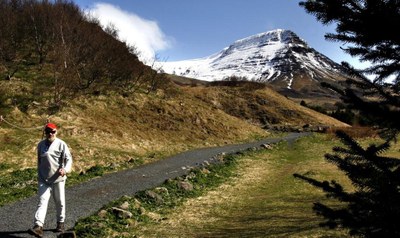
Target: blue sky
[(186, 29)]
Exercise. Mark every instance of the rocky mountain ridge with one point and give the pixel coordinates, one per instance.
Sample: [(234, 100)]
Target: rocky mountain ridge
[(279, 58)]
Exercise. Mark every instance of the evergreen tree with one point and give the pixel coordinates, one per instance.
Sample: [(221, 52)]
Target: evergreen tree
[(373, 208)]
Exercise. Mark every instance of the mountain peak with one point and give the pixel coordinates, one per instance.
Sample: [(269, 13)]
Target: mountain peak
[(270, 41), (280, 35), (277, 57)]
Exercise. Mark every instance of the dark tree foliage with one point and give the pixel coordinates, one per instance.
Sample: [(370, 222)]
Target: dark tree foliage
[(370, 30), (346, 115), (70, 49), (362, 23)]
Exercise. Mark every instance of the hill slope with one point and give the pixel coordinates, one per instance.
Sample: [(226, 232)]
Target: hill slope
[(260, 105), (112, 128)]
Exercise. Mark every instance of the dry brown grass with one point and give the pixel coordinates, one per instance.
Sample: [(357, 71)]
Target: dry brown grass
[(260, 105), (264, 200), (355, 131), (111, 128)]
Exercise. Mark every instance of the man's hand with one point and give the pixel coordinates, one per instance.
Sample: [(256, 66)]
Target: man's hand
[(62, 172)]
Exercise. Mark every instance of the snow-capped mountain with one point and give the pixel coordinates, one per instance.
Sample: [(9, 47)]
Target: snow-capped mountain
[(277, 57)]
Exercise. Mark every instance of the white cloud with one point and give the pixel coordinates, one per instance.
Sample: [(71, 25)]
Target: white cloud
[(144, 34)]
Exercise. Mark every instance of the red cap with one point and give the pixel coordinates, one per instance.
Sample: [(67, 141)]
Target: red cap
[(51, 126)]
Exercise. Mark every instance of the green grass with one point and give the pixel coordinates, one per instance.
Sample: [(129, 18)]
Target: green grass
[(277, 205), (169, 196), (223, 203), (17, 185)]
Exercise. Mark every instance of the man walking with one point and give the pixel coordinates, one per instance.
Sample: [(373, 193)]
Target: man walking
[(54, 162)]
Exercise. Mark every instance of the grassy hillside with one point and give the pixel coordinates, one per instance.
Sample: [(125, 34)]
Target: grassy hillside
[(258, 104), (111, 128)]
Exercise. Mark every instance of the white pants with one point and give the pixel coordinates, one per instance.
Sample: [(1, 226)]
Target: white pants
[(45, 191)]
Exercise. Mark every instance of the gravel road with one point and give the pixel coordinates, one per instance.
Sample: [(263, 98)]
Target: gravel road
[(87, 198)]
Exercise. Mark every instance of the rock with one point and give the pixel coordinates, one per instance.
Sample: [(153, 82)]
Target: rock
[(137, 204), (125, 205), (191, 175), (267, 146), (132, 223), (113, 165), (102, 213), (161, 190), (142, 210), (205, 171), (155, 196), (121, 213), (185, 186)]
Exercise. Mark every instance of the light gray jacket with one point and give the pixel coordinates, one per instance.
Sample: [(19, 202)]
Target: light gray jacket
[(51, 157)]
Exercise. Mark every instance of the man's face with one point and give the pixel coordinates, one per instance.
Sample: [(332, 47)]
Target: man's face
[(50, 134)]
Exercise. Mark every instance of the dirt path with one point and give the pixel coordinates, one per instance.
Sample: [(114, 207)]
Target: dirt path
[(87, 198)]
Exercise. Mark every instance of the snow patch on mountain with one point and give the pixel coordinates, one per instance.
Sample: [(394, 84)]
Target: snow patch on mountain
[(265, 57)]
